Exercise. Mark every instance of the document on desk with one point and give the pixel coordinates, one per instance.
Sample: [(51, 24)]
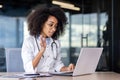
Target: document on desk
[(26, 75)]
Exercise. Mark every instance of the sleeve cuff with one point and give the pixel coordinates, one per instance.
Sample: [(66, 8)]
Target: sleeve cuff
[(29, 68), (59, 67)]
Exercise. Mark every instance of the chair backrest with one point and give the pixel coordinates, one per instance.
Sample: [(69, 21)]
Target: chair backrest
[(2, 60), (13, 60)]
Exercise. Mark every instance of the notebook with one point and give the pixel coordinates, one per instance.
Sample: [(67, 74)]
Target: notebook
[(86, 64)]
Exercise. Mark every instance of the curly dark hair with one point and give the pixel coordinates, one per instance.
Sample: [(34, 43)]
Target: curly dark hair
[(39, 16)]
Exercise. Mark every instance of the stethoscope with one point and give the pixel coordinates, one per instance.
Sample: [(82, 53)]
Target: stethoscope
[(55, 51), (54, 48)]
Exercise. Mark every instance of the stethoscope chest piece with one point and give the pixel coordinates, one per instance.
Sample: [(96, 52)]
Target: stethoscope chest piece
[(54, 49)]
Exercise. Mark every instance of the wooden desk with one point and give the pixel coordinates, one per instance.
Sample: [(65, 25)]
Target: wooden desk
[(95, 76)]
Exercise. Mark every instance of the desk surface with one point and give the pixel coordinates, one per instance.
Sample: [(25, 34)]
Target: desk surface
[(94, 76)]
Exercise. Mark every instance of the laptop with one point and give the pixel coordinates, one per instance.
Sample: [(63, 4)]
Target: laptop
[(86, 64)]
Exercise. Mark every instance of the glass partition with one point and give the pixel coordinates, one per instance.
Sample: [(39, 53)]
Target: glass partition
[(11, 31)]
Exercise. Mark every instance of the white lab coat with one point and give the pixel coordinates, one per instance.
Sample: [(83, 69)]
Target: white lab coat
[(46, 63)]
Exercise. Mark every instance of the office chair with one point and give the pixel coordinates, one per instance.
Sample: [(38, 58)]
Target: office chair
[(13, 60)]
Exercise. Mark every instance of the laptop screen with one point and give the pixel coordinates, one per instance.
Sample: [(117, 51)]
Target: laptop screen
[(87, 61)]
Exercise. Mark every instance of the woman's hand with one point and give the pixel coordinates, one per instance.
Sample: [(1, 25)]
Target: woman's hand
[(68, 68), (42, 44)]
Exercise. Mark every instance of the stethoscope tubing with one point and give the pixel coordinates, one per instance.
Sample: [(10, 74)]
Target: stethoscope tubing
[(52, 47)]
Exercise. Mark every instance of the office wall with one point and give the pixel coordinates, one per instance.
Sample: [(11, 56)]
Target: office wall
[(116, 37)]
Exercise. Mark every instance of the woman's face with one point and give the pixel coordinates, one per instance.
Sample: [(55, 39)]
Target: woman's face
[(49, 27)]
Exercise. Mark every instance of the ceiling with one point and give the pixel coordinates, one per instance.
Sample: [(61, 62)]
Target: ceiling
[(86, 6)]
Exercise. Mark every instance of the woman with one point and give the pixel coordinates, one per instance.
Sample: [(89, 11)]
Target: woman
[(41, 50)]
